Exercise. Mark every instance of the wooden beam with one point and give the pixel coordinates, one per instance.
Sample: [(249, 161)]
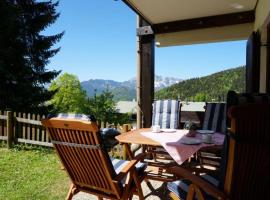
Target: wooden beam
[(205, 22), (145, 78), (253, 63)]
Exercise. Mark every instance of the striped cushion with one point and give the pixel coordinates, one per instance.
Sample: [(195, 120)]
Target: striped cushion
[(118, 165), (215, 117), (180, 187), (166, 113), (76, 116)]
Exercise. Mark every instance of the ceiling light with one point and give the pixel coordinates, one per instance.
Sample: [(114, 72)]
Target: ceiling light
[(237, 6)]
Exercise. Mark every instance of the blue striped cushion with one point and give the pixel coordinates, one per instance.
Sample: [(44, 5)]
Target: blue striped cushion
[(180, 187), (166, 113), (118, 165), (76, 116), (215, 117)]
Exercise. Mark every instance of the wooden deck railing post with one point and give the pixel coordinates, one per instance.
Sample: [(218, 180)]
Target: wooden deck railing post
[(9, 129), (125, 129)]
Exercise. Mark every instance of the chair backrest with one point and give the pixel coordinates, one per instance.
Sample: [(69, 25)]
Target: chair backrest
[(248, 165), (234, 99), (215, 117), (166, 113), (78, 144)]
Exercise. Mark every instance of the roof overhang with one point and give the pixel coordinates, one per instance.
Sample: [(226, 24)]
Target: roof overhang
[(172, 19)]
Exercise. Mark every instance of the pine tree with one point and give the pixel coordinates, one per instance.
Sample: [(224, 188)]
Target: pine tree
[(25, 52)]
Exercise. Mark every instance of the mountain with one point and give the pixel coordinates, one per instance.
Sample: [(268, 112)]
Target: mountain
[(207, 88), (125, 90)]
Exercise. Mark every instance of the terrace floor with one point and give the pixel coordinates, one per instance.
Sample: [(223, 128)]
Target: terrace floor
[(156, 191)]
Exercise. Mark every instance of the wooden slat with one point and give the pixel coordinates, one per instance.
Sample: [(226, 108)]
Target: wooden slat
[(19, 126), (5, 125), (1, 124), (38, 131), (28, 133), (33, 128), (23, 127)]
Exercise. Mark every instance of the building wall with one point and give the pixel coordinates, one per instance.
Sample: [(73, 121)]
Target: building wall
[(262, 14)]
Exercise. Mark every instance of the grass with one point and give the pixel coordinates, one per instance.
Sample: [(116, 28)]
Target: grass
[(31, 173)]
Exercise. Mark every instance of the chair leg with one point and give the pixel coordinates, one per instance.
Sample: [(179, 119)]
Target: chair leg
[(138, 184), (70, 192), (100, 198)]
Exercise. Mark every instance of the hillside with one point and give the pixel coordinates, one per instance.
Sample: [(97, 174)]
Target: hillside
[(207, 88)]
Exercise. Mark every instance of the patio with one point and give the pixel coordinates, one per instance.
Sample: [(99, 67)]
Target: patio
[(220, 23), (157, 191)]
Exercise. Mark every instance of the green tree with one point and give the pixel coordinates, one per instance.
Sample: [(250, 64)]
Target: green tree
[(200, 97), (25, 52), (102, 106), (69, 95)]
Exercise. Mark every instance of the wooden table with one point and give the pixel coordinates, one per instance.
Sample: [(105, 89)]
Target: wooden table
[(134, 137), (155, 170)]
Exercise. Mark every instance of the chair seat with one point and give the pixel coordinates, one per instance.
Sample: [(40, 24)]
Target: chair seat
[(180, 187), (118, 165)]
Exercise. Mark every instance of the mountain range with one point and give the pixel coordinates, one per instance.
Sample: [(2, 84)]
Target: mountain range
[(125, 90)]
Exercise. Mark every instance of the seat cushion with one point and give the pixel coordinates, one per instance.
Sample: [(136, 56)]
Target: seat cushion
[(215, 117), (180, 187), (166, 113), (75, 116), (118, 165)]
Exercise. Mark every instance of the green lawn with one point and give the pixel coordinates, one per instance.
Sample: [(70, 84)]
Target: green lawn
[(31, 173)]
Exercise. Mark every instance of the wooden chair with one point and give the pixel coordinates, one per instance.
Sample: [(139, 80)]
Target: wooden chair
[(247, 169), (80, 149), (166, 114), (215, 120)]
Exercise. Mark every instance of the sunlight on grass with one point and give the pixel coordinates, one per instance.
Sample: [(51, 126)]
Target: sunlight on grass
[(31, 173)]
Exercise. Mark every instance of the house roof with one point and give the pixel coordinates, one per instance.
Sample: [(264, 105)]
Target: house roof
[(126, 107)]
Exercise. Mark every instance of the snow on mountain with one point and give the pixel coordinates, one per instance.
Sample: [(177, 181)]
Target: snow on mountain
[(162, 82)]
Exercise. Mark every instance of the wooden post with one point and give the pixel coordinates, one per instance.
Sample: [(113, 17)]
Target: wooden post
[(253, 63), (145, 77), (9, 129), (125, 129)]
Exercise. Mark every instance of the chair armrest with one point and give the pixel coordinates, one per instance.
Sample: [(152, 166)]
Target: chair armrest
[(196, 180), (129, 166)]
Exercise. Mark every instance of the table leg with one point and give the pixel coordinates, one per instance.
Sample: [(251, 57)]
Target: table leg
[(128, 151)]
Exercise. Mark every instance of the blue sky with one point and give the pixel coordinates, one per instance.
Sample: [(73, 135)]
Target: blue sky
[(100, 43)]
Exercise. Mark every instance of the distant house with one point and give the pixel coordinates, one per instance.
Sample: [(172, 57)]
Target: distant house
[(130, 106), (193, 106), (126, 107)]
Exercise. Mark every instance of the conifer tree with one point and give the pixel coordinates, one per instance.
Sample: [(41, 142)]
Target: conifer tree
[(25, 52)]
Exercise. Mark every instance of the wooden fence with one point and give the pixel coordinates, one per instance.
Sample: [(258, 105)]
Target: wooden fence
[(27, 128)]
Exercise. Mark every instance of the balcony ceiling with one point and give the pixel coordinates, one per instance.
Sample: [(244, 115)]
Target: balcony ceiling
[(161, 11)]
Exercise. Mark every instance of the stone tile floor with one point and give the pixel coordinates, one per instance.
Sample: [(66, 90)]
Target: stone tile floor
[(156, 191)]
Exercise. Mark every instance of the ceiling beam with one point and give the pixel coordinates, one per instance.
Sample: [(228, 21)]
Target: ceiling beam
[(205, 22)]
